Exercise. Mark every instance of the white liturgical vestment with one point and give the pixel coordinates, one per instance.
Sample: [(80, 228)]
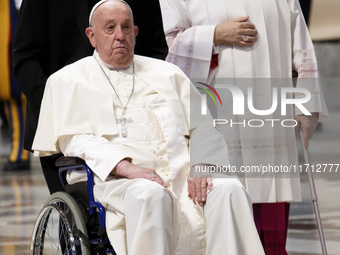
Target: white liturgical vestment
[(81, 116), (283, 45)]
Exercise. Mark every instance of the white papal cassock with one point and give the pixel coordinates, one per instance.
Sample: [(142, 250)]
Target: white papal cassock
[(283, 45), (80, 116)]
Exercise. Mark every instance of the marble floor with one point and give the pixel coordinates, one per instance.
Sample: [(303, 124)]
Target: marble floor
[(23, 193)]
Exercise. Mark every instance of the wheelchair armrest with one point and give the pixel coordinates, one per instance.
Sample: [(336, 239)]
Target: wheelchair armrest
[(71, 163), (68, 161)]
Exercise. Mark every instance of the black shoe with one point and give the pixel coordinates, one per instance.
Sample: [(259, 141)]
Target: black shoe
[(19, 165)]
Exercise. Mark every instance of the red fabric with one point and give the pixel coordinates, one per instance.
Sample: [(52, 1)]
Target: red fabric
[(214, 60), (271, 221)]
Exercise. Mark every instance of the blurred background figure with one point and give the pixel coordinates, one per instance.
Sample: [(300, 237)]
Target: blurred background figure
[(14, 102), (305, 7), (3, 118)]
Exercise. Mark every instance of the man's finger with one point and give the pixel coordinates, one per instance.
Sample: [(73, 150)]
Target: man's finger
[(198, 190), (161, 182), (247, 25), (203, 191), (191, 190), (210, 183), (249, 32), (242, 19), (156, 178), (305, 143)]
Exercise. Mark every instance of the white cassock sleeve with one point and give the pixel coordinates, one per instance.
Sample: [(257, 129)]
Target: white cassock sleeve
[(190, 46), (98, 153), (305, 63)]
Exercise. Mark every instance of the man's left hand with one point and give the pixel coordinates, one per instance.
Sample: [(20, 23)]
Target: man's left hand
[(198, 189)]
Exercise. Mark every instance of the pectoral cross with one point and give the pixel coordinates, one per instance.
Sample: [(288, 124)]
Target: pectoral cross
[(123, 121)]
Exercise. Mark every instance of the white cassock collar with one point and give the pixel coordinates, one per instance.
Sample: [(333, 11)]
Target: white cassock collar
[(107, 67)]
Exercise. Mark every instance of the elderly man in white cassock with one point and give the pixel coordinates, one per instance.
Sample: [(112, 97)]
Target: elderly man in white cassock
[(129, 118)]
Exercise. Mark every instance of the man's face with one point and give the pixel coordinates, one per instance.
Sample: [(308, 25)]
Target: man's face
[(113, 33)]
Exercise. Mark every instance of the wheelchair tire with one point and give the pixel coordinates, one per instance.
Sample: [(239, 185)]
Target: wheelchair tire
[(60, 228)]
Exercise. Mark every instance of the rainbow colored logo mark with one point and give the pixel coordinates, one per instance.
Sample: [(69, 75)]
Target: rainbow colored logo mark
[(209, 93), (204, 100)]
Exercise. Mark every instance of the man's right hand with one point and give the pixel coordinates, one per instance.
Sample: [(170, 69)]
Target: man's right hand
[(126, 169), (232, 32)]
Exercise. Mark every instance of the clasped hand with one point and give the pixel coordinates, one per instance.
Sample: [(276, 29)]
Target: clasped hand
[(233, 32)]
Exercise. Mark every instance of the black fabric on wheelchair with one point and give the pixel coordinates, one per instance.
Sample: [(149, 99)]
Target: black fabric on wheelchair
[(78, 190), (67, 161)]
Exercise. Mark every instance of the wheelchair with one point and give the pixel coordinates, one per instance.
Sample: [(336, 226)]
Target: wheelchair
[(71, 222)]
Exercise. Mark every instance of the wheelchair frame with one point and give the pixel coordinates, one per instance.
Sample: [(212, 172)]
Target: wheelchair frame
[(62, 223)]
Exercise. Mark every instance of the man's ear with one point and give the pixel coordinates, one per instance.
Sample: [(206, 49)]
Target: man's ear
[(90, 34), (136, 29)]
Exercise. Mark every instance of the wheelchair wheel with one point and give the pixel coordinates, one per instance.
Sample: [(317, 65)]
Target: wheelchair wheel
[(60, 228)]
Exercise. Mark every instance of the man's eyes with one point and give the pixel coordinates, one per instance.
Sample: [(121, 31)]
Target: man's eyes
[(111, 28)]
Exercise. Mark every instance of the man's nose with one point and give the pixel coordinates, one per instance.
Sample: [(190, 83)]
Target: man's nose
[(119, 33)]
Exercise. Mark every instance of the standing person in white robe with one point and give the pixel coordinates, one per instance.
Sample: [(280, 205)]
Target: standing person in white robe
[(129, 118), (256, 44)]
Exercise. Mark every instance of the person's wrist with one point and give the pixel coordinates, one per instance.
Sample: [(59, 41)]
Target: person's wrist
[(120, 168), (216, 36)]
